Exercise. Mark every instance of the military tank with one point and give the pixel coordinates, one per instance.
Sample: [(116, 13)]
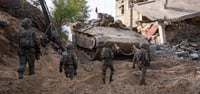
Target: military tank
[(90, 37)]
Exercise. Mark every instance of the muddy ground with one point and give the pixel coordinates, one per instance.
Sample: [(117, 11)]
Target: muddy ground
[(165, 76)]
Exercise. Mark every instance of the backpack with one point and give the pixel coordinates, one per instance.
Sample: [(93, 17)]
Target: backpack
[(143, 57), (26, 39), (107, 53), (67, 58)]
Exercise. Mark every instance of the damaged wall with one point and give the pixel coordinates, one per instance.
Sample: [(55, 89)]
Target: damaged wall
[(180, 31)]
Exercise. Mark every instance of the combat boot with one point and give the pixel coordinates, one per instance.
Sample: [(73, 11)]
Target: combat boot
[(143, 83), (31, 73), (104, 79), (20, 75), (110, 79), (66, 75), (31, 70)]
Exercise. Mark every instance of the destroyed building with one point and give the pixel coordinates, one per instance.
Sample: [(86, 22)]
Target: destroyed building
[(156, 15)]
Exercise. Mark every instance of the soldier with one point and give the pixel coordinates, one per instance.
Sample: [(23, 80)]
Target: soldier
[(28, 48), (105, 19), (142, 59), (107, 56), (68, 59)]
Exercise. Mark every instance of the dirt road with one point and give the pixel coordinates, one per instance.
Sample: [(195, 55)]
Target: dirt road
[(165, 76)]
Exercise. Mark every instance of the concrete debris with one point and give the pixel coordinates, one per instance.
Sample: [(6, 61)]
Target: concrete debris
[(182, 53), (184, 50), (194, 56)]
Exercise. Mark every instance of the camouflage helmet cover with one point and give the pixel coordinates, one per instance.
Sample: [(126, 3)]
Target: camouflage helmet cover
[(26, 22), (69, 46), (144, 46)]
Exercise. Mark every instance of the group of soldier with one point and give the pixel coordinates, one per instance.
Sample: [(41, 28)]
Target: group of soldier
[(141, 58), (29, 47)]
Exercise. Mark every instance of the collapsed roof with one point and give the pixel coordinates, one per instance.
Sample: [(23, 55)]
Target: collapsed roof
[(176, 10)]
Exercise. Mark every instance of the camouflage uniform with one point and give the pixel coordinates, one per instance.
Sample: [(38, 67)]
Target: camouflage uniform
[(142, 59), (107, 56), (27, 54), (65, 63)]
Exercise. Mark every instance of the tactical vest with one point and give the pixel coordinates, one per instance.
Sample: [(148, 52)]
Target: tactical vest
[(26, 39), (107, 53), (67, 58)]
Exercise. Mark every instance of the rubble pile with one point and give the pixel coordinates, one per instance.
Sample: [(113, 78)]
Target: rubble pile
[(180, 31), (185, 50), (183, 38)]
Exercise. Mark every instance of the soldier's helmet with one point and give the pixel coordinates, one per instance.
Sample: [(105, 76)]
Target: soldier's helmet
[(100, 15), (144, 46), (26, 22), (69, 46), (118, 21)]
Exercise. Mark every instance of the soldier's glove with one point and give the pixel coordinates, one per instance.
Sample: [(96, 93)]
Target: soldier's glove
[(37, 57), (60, 70)]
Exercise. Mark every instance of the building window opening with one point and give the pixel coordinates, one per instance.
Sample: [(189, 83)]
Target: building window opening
[(122, 9)]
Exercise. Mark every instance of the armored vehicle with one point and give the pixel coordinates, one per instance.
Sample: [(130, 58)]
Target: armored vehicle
[(90, 37)]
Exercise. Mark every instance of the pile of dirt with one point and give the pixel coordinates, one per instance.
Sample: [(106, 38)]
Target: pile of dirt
[(8, 34), (22, 9), (171, 76), (182, 50)]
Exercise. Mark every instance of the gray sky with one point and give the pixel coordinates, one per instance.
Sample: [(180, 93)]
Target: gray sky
[(104, 6)]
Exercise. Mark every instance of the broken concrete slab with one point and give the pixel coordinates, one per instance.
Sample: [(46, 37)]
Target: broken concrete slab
[(194, 56), (176, 10), (182, 54)]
